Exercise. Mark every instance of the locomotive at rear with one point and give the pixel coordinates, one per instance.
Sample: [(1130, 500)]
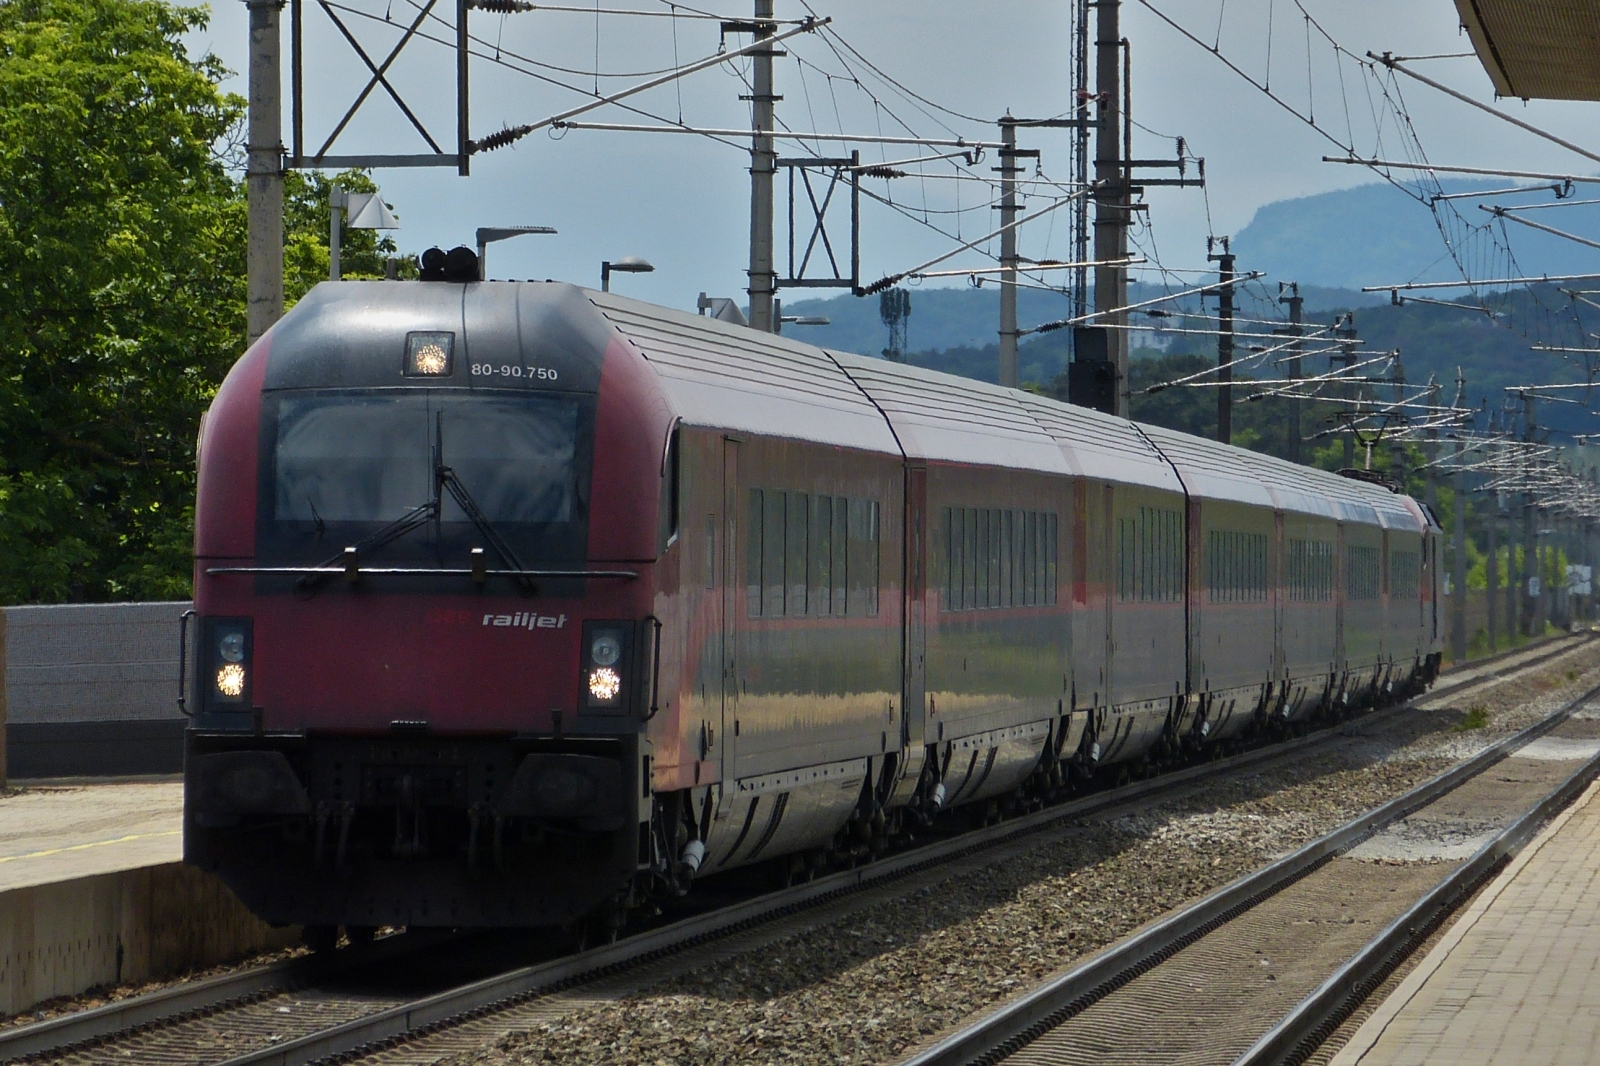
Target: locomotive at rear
[(423, 646)]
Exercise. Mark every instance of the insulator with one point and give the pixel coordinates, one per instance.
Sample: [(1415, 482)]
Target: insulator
[(502, 138)]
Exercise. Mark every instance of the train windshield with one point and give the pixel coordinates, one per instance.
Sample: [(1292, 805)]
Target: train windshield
[(344, 462)]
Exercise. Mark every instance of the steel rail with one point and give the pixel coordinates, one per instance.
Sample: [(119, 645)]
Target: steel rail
[(1314, 1019), (1014, 1025), (505, 990), (210, 994), (136, 1012)]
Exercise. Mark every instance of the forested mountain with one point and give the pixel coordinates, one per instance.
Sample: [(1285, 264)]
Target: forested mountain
[(1492, 349), (1378, 234)]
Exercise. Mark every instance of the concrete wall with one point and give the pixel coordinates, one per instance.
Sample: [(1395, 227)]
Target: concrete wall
[(152, 922), (90, 689)]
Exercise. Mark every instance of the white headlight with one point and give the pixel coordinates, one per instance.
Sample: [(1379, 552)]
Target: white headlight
[(604, 683), (230, 680)]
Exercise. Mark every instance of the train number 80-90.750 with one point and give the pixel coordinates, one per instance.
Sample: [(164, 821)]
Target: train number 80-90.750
[(534, 373)]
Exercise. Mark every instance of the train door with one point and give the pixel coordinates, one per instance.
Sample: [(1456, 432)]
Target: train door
[(1280, 660), (1194, 582), (730, 612), (1391, 610), (913, 657), (1108, 587), (915, 592), (1341, 598), (1430, 545)]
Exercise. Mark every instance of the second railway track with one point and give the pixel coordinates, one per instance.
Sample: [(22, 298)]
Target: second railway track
[(1260, 971), (287, 1016)]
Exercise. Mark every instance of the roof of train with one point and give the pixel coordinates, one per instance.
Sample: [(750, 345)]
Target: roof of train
[(735, 378), (730, 376), (1220, 471)]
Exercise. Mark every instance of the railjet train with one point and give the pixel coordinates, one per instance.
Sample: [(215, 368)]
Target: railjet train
[(526, 605)]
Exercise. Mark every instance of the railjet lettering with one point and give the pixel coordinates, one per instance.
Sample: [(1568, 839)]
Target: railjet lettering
[(526, 620)]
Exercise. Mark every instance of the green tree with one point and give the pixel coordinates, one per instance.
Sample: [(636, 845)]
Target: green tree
[(122, 239)]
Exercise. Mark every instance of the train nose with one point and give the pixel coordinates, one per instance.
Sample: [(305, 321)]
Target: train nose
[(443, 670)]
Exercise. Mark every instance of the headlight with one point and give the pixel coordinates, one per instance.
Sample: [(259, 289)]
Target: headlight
[(605, 651), (230, 681), (225, 670), (607, 659), (604, 684), (428, 354)]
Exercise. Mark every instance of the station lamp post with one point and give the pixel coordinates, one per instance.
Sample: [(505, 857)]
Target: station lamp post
[(629, 264), (779, 318), (489, 234)]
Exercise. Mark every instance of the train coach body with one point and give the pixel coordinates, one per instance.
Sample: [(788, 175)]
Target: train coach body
[(517, 600)]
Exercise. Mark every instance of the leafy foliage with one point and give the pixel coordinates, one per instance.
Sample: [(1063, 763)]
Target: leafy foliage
[(121, 292), (122, 289)]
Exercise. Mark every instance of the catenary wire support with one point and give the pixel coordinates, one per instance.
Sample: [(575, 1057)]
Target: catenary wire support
[(379, 77), (831, 174)]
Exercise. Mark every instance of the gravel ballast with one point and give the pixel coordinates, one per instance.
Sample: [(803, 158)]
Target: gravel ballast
[(869, 988)]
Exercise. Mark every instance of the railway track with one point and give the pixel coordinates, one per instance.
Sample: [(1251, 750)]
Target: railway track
[(292, 1013), (1264, 969)]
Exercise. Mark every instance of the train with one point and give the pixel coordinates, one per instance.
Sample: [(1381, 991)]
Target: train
[(523, 605)]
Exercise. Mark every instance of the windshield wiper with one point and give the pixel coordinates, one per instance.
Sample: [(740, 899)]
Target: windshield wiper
[(444, 478), (415, 518), (318, 525)]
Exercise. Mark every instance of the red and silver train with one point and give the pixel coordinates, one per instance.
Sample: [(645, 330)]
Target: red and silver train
[(522, 603)]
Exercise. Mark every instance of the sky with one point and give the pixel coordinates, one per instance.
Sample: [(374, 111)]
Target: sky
[(682, 202)]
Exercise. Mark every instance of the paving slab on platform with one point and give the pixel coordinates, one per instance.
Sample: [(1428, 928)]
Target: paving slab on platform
[(1516, 980), (51, 833)]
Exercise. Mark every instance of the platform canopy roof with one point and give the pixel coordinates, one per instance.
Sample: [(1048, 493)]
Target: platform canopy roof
[(1537, 49)]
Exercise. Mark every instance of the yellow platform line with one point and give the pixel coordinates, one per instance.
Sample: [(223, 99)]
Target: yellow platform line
[(91, 844)]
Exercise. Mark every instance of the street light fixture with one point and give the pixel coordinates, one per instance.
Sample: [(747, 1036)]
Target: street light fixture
[(489, 234), (779, 318), (628, 264), (802, 320)]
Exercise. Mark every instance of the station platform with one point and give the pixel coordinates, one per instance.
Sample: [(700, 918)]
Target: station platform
[(1516, 979), (94, 893), (59, 831)]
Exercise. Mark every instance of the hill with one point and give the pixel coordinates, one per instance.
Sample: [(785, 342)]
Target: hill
[(1432, 340), (970, 318), (1331, 244), (1378, 234)]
